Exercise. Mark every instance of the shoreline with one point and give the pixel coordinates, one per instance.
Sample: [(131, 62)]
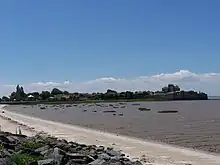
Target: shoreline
[(96, 101), (155, 152)]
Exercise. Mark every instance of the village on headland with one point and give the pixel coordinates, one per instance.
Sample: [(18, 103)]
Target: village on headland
[(171, 92)]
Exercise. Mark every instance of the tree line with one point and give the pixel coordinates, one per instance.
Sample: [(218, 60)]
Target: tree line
[(57, 94)]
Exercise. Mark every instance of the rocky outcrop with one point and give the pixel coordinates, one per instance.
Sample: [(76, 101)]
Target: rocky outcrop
[(45, 150)]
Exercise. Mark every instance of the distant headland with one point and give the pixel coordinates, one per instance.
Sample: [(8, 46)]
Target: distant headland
[(171, 92)]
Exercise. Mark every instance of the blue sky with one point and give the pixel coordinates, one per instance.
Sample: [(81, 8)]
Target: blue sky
[(51, 40)]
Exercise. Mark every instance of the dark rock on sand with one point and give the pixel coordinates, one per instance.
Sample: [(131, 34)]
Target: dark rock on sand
[(144, 109), (168, 111), (110, 111), (136, 104)]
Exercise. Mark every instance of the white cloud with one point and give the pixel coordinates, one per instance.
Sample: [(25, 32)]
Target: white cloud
[(207, 82)]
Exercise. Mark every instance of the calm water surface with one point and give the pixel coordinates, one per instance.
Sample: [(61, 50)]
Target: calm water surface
[(196, 125)]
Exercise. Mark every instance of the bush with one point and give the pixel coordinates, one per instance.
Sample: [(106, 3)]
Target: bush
[(24, 159), (32, 144)]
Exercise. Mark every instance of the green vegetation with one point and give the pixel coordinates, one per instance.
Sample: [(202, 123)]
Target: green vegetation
[(32, 144), (24, 159), (1, 147), (172, 92)]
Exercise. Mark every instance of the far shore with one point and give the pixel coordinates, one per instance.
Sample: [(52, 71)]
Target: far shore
[(90, 101), (80, 102), (57, 96)]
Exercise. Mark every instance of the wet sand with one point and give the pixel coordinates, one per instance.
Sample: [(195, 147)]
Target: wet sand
[(196, 125), (149, 153)]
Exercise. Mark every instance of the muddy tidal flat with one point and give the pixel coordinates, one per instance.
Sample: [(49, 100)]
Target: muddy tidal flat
[(193, 124)]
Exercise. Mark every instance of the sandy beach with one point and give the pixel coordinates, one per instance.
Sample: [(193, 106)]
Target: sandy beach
[(196, 125), (149, 152)]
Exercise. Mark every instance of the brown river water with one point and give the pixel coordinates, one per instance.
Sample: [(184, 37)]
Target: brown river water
[(196, 125)]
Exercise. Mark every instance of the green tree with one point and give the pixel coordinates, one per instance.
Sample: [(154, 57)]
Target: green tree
[(45, 95), (66, 93), (5, 98), (12, 96), (129, 94), (20, 94), (56, 91)]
